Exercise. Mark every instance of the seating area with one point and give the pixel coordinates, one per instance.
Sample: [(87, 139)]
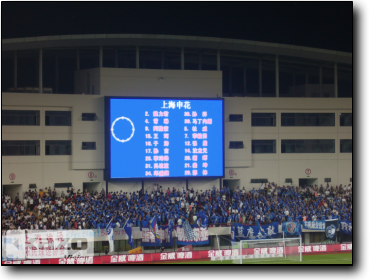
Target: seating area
[(48, 209)]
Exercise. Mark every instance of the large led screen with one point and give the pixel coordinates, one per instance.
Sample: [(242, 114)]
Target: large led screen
[(152, 138)]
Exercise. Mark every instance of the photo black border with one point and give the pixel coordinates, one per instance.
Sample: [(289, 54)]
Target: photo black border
[(107, 145)]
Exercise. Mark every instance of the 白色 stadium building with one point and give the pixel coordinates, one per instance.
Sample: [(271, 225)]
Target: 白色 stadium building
[(287, 114)]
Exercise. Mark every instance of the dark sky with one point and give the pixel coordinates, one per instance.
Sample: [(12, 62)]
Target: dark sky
[(326, 25)]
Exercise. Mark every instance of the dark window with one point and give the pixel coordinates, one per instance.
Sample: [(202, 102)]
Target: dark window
[(236, 145), (263, 119), (346, 145), (89, 117), (63, 185), (88, 145), (150, 59), (58, 118), (327, 180), (20, 148), (350, 179), (263, 146), (288, 180), (235, 118), (307, 119), (259, 181), (58, 147), (20, 117), (308, 146), (32, 186), (346, 119)]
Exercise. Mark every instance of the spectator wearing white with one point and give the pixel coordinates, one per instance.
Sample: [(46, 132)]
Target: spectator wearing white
[(179, 222)]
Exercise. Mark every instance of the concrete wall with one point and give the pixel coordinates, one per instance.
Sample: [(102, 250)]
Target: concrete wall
[(46, 170)]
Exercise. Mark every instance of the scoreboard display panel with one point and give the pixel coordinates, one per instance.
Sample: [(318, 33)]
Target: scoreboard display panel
[(164, 138)]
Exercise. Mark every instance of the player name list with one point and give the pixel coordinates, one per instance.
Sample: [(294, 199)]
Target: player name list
[(158, 125)]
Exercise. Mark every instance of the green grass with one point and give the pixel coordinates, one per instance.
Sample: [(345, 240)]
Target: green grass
[(306, 259)]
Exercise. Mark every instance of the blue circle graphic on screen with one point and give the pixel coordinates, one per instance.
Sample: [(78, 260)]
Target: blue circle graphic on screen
[(122, 129), (159, 138)]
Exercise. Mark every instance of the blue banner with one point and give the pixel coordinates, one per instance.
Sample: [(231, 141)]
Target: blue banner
[(165, 236), (315, 225), (200, 236), (242, 232), (291, 228), (154, 229), (346, 227), (331, 227)]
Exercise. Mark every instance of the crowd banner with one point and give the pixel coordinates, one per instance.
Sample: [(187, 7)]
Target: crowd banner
[(314, 225), (166, 256), (110, 233), (13, 245), (331, 229), (165, 236), (242, 232), (291, 228), (346, 227), (200, 236)]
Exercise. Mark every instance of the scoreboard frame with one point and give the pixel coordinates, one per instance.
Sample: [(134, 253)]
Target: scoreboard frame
[(107, 140)]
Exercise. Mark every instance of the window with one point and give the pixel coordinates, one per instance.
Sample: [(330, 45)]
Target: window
[(20, 148), (236, 145), (58, 118), (346, 119), (263, 119), (307, 119), (259, 181), (20, 117), (350, 179), (58, 147), (346, 145), (63, 185), (88, 145), (89, 117), (235, 118), (32, 186), (289, 180), (327, 180), (263, 146), (308, 146)]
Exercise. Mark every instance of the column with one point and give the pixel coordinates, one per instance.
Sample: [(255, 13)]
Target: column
[(260, 77), (78, 60), (245, 80), (15, 70), (182, 59), (335, 80), (40, 71), (277, 75), (320, 81), (116, 58), (56, 73), (218, 60), (137, 57), (100, 56), (162, 59), (200, 61)]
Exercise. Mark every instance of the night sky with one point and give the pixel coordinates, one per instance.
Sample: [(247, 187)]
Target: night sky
[(326, 25)]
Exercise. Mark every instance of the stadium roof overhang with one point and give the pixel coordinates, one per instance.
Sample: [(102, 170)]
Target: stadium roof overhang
[(94, 40)]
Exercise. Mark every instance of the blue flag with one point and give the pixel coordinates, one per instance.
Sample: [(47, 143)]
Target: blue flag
[(346, 227), (204, 218), (154, 229), (188, 231), (128, 229), (291, 228)]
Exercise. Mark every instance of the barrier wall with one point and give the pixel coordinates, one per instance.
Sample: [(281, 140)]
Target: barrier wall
[(181, 256)]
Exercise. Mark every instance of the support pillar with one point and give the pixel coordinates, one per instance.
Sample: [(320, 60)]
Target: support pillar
[(40, 71), (277, 75)]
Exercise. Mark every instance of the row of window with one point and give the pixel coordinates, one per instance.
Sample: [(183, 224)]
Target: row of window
[(295, 119), (32, 147), (295, 146), (32, 117)]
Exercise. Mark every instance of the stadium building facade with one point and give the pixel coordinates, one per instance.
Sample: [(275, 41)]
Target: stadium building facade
[(287, 114)]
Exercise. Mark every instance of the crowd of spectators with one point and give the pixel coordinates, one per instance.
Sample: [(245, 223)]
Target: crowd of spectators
[(91, 210)]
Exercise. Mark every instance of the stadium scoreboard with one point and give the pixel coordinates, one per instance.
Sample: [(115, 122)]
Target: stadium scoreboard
[(163, 138)]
